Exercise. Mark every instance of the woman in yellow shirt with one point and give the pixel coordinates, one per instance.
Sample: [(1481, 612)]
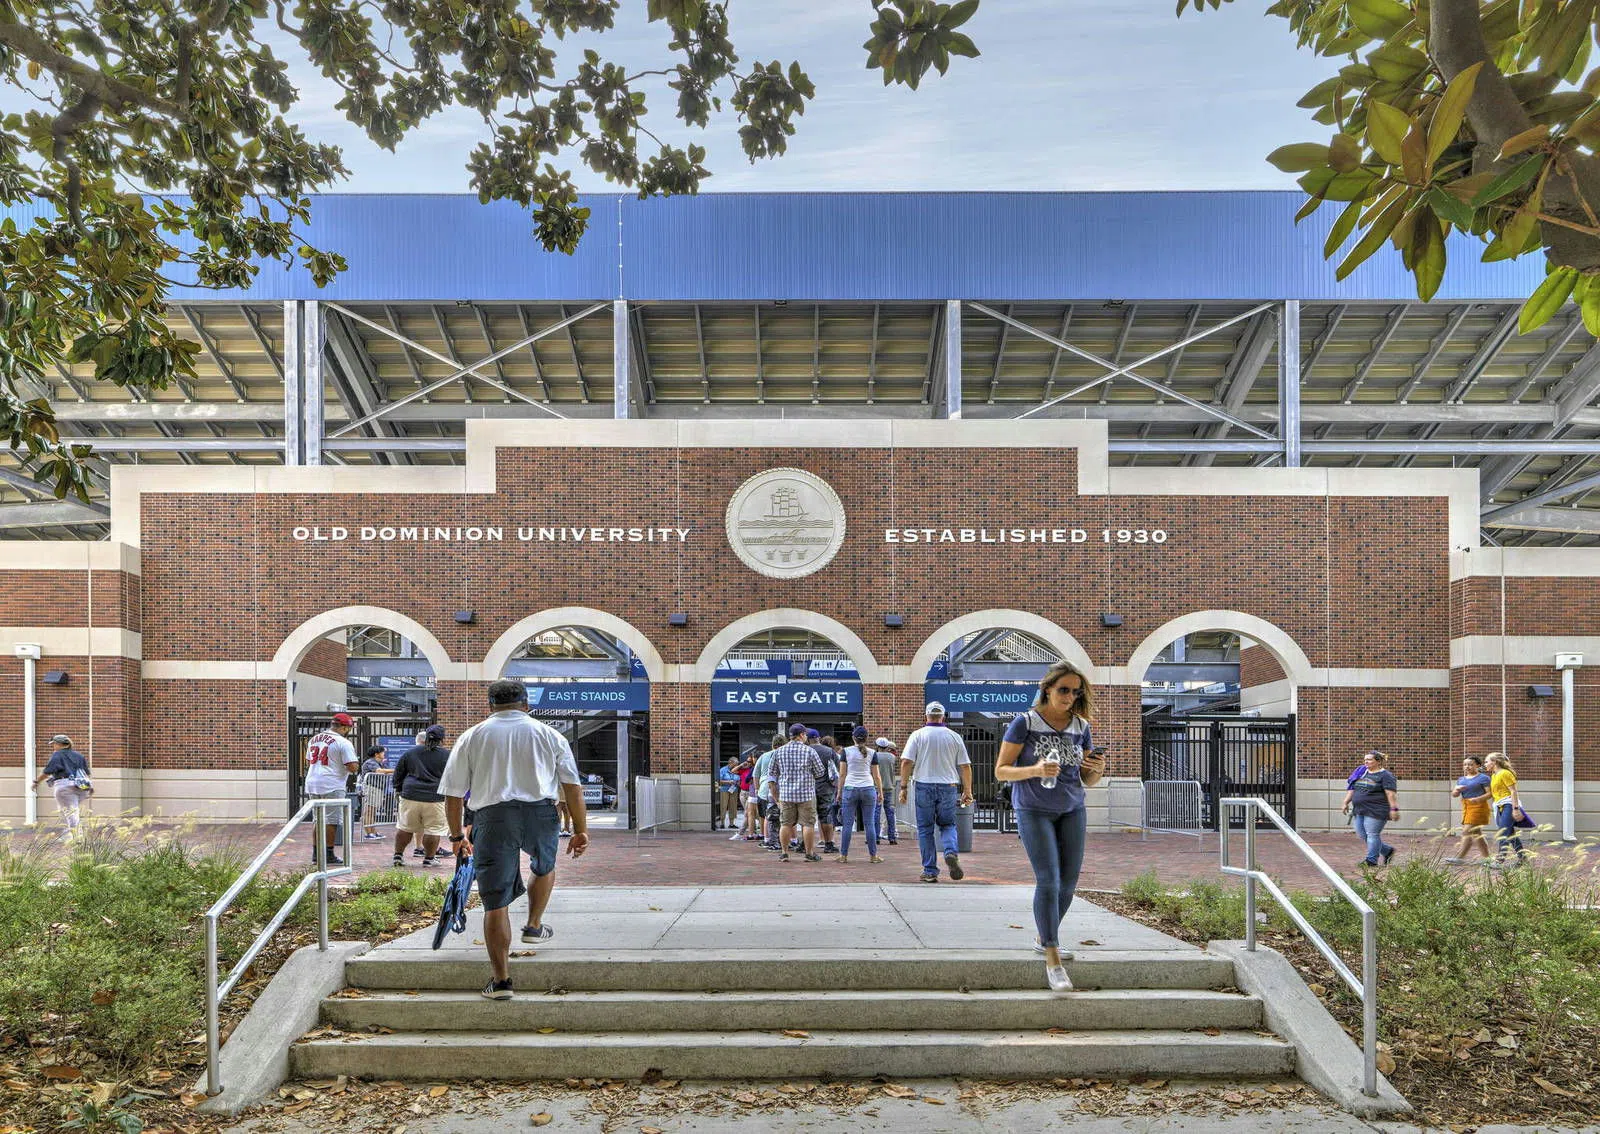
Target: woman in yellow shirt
[(1507, 806)]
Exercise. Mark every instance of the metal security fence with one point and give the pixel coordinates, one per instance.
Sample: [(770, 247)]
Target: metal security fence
[(379, 805), (388, 729), (1223, 756), (1166, 807)]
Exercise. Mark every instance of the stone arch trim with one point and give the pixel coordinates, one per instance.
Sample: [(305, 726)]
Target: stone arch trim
[(494, 662), (1039, 627), (1291, 658), (302, 637), (786, 618)]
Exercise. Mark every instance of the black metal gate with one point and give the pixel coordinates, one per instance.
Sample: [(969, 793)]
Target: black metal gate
[(389, 729), (982, 736), (1225, 755), (638, 761)]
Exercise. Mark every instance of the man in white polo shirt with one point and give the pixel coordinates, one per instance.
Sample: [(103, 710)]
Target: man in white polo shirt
[(935, 759), (515, 768)]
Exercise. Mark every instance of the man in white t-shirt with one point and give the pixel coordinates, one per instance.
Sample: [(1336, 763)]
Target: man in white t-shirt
[(330, 759), (936, 760), (515, 768)]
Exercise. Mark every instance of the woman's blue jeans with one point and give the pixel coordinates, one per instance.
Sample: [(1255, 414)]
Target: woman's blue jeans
[(1370, 829), (859, 803), (1507, 827), (1055, 851)]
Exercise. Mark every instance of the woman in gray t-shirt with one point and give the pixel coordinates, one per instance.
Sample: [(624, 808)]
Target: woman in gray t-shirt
[(1050, 745)]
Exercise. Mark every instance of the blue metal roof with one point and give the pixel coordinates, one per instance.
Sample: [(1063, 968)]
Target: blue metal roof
[(1011, 247)]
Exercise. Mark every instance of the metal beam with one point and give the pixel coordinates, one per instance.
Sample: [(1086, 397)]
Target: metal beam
[(25, 484), (1243, 369), (212, 351), (1583, 521), (1487, 351), (1289, 381), (49, 512), (1570, 397), (952, 359), (999, 357), (293, 447), (1114, 371), (1361, 447), (354, 380), (1549, 496), (621, 364), (1396, 317), (313, 329), (1435, 349)]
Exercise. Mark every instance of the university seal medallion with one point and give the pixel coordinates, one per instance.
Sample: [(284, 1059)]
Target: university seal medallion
[(785, 523)]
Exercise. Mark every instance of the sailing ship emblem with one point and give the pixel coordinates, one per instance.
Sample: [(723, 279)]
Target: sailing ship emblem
[(785, 523)]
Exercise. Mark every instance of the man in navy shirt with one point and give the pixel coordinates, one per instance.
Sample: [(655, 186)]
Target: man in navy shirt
[(68, 773)]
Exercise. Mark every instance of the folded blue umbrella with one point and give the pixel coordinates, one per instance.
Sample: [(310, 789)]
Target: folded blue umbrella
[(453, 917)]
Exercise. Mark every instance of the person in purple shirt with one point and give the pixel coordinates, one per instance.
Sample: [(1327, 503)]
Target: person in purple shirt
[(1048, 758)]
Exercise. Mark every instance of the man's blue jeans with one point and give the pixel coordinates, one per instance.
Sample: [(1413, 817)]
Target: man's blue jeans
[(936, 823), (1371, 830), (860, 806)]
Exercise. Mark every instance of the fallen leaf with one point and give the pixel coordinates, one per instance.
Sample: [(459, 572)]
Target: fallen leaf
[(796, 1033), (1550, 1088), (1157, 1084), (438, 1092), (62, 1071), (524, 953), (1385, 1063), (744, 1097), (894, 1090), (1090, 941), (1318, 989), (1507, 1041), (1057, 1031), (192, 1099), (1232, 1096), (1212, 1031), (1013, 927), (546, 1031), (543, 1118), (931, 1099), (102, 997), (650, 1130)]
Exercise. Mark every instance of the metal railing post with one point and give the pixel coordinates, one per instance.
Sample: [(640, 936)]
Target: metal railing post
[(1369, 1003), (322, 877), (213, 1025), (1366, 985), (1250, 878)]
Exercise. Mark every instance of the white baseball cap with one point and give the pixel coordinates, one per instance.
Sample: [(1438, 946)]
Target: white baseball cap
[(934, 709), (883, 742)]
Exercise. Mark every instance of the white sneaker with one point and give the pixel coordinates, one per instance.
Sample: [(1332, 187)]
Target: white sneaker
[(735, 837), (1058, 978)]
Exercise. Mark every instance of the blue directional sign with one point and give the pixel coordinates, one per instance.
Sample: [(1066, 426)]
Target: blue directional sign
[(787, 697), (982, 696), (588, 696)]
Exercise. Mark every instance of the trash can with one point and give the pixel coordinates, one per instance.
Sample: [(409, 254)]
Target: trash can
[(964, 828)]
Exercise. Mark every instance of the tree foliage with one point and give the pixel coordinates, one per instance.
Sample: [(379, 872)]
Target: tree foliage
[(1456, 116), (159, 144)]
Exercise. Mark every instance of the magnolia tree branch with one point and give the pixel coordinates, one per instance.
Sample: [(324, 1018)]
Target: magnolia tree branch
[(1496, 114), (31, 45)]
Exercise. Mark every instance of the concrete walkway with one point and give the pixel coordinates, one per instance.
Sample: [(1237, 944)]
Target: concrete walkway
[(940, 917)]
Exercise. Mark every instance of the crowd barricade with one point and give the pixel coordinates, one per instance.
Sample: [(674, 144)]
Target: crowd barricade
[(1166, 807), (379, 805)]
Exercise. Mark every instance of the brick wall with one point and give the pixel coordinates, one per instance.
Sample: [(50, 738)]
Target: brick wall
[(1257, 666), (325, 658), (1482, 697), (98, 707)]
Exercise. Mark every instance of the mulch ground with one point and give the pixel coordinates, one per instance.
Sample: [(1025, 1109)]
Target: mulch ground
[(1494, 1074)]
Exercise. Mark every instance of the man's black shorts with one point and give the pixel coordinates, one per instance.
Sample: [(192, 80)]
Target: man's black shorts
[(502, 833)]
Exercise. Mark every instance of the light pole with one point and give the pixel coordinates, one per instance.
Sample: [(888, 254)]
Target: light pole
[(1568, 664), (29, 652)]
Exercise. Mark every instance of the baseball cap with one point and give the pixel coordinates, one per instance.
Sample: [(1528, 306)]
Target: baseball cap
[(343, 719), (883, 742), (934, 709), (797, 730), (61, 738), (859, 732), (813, 734), (435, 732)]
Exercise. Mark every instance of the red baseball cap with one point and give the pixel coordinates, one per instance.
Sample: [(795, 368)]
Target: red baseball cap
[(343, 719)]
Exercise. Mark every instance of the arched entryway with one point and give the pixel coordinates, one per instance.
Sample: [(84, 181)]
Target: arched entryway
[(588, 675), (1218, 694), (985, 668)]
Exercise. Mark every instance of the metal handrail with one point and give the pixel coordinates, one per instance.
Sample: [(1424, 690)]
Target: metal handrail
[(1366, 986), (319, 877)]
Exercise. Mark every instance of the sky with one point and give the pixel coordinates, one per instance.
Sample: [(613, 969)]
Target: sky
[(1068, 95)]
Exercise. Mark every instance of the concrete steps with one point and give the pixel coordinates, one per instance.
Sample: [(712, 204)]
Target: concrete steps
[(798, 971), (770, 1054), (416, 1014), (823, 1010)]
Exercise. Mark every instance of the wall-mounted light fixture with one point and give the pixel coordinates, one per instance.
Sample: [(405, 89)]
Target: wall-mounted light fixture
[(1110, 620), (893, 620), (466, 617), (677, 618), (1541, 691), (54, 677)]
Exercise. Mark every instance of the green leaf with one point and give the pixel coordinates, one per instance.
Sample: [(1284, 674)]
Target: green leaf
[(1342, 228), (1299, 157), (1373, 240), (1547, 299), (1344, 154), (1352, 186), (1378, 18), (1510, 181), (1450, 207), (1386, 129), (1589, 308), (1428, 256), (1520, 228), (959, 13), (1520, 143), (1450, 111)]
